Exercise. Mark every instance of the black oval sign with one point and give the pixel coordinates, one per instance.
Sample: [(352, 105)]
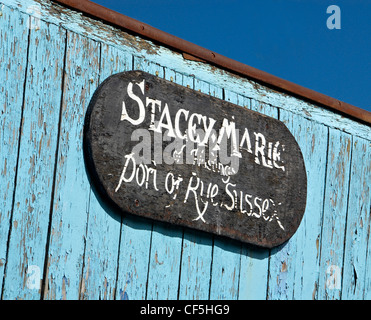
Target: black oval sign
[(169, 153)]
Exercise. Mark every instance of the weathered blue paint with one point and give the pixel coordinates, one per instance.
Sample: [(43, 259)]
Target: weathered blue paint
[(13, 61), (258, 259), (196, 265), (134, 258), (225, 270), (166, 242), (56, 231), (72, 188), (253, 277), (313, 140), (334, 215), (356, 256), (101, 252), (197, 251), (38, 141), (294, 266)]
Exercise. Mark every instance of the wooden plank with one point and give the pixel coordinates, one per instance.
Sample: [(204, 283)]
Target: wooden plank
[(13, 63), (261, 286), (334, 215), (136, 236), (356, 273), (254, 261), (166, 241), (313, 139), (225, 271), (36, 163), (163, 277), (254, 273), (197, 247), (196, 265), (367, 284), (72, 188), (104, 223), (294, 267), (166, 248), (133, 258)]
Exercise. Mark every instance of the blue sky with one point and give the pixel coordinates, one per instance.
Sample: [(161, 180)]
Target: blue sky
[(286, 38)]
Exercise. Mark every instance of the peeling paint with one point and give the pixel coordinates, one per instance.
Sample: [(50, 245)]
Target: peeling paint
[(337, 221)]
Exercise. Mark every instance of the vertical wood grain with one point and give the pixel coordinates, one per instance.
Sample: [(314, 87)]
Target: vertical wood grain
[(253, 281), (225, 269), (197, 247), (165, 248), (94, 252), (13, 62), (295, 266), (133, 258), (163, 277), (72, 188), (356, 272), (136, 235), (196, 266), (255, 261), (225, 274), (367, 284), (104, 224), (166, 242), (36, 162), (334, 215)]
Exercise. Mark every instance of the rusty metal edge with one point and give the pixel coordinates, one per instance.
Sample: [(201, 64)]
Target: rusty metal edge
[(119, 20)]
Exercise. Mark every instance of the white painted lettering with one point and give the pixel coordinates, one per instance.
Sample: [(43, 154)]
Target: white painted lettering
[(176, 125), (165, 115), (124, 113)]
